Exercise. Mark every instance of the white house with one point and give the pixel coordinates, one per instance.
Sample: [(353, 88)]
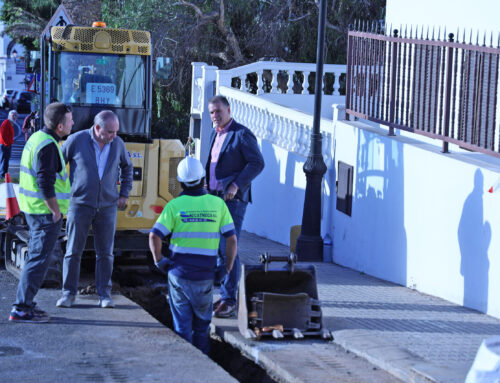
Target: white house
[(12, 73)]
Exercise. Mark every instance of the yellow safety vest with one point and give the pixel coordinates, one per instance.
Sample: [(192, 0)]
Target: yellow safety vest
[(196, 224), (31, 200)]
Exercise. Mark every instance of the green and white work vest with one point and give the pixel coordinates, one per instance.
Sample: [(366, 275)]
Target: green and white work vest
[(196, 222), (31, 200)]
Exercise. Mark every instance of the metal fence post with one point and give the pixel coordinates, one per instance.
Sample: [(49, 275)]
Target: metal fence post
[(447, 99), (392, 105), (348, 76)]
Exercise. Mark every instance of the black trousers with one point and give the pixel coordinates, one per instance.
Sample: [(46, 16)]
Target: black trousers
[(4, 159)]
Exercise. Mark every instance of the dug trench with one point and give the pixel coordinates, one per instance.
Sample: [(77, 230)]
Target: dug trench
[(149, 289)]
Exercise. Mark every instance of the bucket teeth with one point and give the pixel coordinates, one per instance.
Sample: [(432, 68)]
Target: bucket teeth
[(249, 334), (297, 334), (277, 334), (326, 335)]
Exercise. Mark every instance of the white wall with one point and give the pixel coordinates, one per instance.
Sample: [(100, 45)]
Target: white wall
[(482, 15), (421, 218)]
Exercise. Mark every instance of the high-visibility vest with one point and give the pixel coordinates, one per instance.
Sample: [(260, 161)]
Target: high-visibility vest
[(196, 224), (31, 200)]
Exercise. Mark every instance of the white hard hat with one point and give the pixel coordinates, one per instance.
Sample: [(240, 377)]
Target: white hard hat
[(190, 171)]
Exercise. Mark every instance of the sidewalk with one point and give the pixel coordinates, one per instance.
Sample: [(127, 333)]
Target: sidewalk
[(88, 344), (413, 336)]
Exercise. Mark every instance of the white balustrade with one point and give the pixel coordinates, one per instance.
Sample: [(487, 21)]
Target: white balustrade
[(275, 68), (284, 127)]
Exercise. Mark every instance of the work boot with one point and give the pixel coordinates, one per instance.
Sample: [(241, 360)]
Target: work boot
[(225, 311), (66, 301)]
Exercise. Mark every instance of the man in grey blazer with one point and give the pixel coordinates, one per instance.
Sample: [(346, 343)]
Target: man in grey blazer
[(97, 159)]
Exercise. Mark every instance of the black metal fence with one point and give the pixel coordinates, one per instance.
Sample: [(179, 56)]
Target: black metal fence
[(442, 89)]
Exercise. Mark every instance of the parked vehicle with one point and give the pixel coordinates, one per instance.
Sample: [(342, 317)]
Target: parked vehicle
[(6, 100), (22, 102)]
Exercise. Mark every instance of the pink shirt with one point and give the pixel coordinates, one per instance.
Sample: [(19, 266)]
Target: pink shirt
[(213, 183)]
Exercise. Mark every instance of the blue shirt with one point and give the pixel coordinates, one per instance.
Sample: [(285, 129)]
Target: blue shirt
[(101, 157)]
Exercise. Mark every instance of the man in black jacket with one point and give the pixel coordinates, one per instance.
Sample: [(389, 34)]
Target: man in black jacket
[(233, 162)]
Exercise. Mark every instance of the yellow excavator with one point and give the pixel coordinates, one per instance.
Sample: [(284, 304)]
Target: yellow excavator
[(93, 69)]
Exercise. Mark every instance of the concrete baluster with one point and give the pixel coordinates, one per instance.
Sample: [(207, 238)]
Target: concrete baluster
[(274, 82), (286, 132), (290, 126), (295, 136), (307, 141), (263, 121), (242, 82), (305, 83), (260, 83), (277, 131), (303, 140), (290, 81), (269, 125), (336, 84)]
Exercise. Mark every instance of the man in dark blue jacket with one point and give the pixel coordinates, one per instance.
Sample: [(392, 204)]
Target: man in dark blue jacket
[(233, 162), (97, 159)]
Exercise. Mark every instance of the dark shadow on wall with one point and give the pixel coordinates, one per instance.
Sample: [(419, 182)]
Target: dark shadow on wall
[(474, 238), (378, 207)]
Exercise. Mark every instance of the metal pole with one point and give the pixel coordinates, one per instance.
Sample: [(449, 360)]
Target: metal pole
[(42, 80), (447, 100), (309, 243)]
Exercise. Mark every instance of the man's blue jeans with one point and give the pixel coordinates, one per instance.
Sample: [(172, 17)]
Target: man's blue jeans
[(43, 237), (103, 221), (191, 306), (229, 284)]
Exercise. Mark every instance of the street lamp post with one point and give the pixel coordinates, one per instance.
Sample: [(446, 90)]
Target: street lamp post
[(309, 243)]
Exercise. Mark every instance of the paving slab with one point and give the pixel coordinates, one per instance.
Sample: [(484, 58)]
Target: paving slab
[(413, 336), (89, 344)]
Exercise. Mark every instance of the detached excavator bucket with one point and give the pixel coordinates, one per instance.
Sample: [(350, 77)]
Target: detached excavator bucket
[(279, 302)]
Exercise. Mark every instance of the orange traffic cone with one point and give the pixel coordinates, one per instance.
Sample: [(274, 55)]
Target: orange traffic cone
[(11, 203)]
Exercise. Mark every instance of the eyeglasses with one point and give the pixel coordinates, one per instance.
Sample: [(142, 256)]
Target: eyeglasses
[(67, 108)]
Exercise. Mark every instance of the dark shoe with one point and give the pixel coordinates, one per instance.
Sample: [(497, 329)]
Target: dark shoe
[(28, 316), (225, 311), (39, 312)]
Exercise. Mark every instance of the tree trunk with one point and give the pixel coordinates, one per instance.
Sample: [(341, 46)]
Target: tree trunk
[(84, 12)]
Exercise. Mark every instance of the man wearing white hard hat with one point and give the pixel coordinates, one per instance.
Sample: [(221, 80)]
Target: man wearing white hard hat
[(195, 222)]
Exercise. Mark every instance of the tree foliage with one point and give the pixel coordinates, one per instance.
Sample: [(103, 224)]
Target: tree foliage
[(25, 19), (225, 33)]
